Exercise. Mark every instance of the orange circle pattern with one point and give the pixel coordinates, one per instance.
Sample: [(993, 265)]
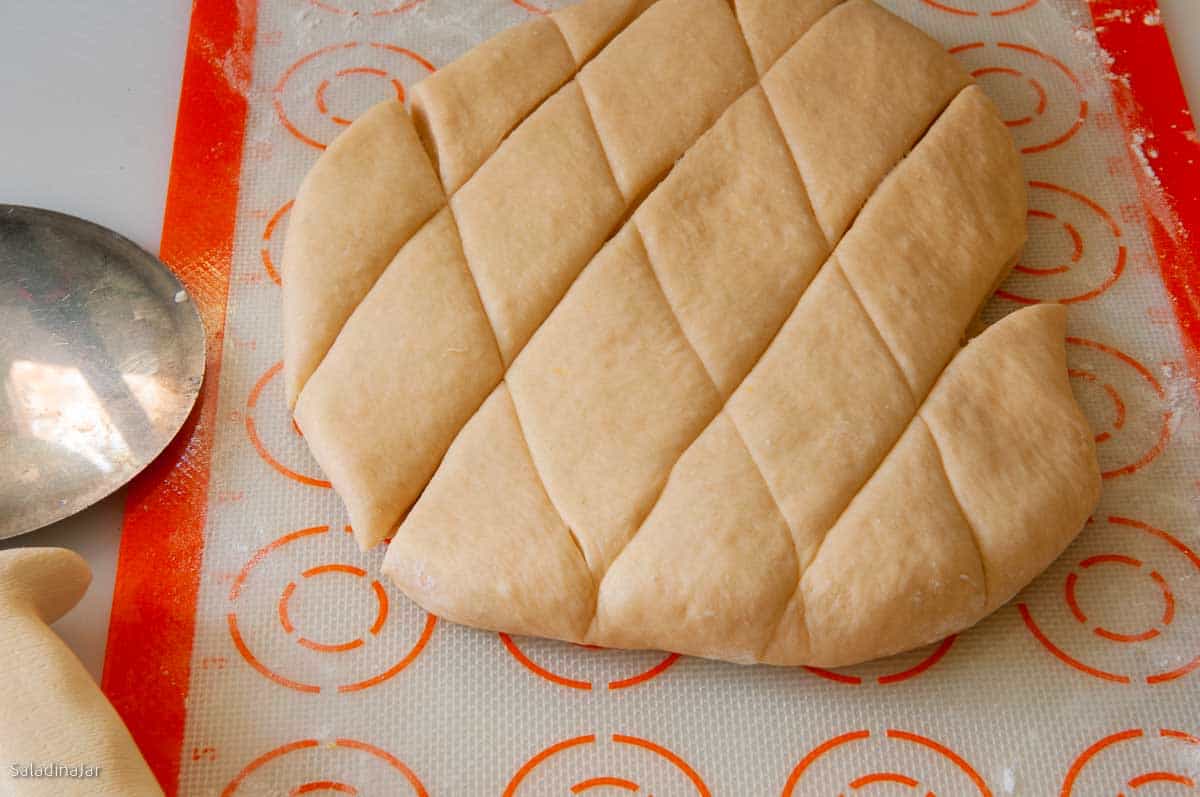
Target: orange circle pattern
[(1016, 7), (572, 683), (247, 654), (1093, 207), (334, 8), (607, 780), (1113, 636), (1119, 405), (319, 94), (1077, 612), (924, 665), (1154, 776), (381, 601), (892, 734), (256, 441), (1008, 50), (265, 252), (327, 785)]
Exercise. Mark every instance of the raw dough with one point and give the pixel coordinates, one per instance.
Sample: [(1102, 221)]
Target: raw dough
[(661, 348), (53, 712)]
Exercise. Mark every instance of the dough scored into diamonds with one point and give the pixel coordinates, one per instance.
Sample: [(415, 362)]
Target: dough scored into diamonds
[(644, 329)]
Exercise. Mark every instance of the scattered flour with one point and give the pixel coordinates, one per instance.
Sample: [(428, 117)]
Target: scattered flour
[(1143, 153)]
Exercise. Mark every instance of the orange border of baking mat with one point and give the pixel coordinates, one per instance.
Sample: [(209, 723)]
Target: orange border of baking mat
[(148, 663), (1148, 95), (147, 668)]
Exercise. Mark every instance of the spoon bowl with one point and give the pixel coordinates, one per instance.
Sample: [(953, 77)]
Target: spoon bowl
[(101, 360)]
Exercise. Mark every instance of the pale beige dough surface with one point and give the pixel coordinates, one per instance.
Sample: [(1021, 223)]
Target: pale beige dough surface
[(367, 195), (661, 347), (50, 708)]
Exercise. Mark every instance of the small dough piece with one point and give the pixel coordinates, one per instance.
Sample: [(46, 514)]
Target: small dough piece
[(710, 566), (53, 710), (526, 575), (419, 338), (860, 71), (805, 414), (899, 569), (587, 27), (463, 111), (733, 239), (367, 195), (924, 274), (661, 83), (771, 27), (535, 213), (1007, 425), (609, 394)]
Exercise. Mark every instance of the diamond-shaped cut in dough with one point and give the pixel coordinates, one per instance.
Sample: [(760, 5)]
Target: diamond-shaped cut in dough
[(923, 283), (712, 563), (609, 394), (462, 119), (733, 239), (488, 482), (662, 83), (899, 568), (385, 367), (859, 72), (368, 194), (587, 27), (803, 412), (535, 213), (770, 27)]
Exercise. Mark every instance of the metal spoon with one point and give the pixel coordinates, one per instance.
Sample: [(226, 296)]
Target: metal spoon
[(101, 360)]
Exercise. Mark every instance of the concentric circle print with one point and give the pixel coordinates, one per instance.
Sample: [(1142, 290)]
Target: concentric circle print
[(981, 8), (323, 92), (374, 8), (1126, 603), (889, 671), (861, 759), (1075, 252), (1135, 761), (586, 667), (1124, 402), (276, 439), (339, 766), (1040, 98), (581, 764), (306, 613), (272, 242)]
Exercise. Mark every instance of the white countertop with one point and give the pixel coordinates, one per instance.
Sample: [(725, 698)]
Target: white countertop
[(89, 115)]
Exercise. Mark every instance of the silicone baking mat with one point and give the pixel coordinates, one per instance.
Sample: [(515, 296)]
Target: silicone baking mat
[(254, 650)]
